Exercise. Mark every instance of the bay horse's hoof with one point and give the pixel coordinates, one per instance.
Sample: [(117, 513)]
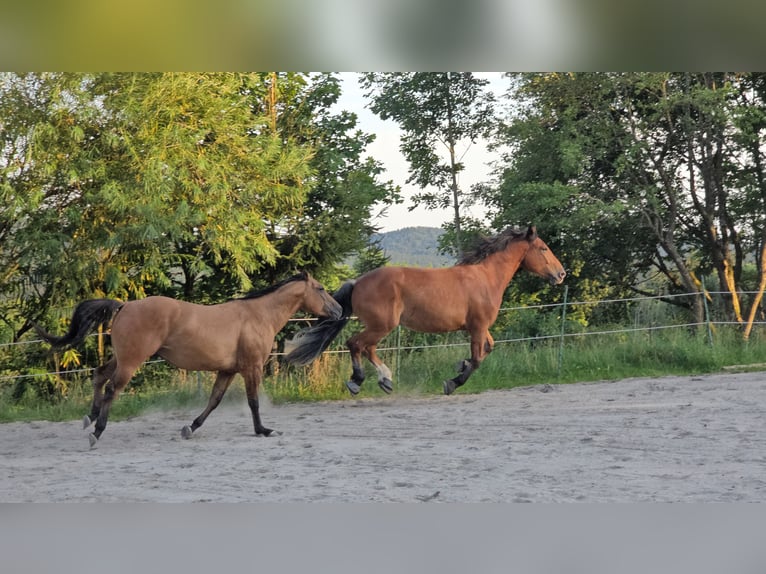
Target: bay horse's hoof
[(353, 388), (93, 440), (386, 385), (86, 422), (449, 387), (186, 432)]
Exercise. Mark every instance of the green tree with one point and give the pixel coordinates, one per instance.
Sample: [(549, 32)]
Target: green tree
[(112, 182), (48, 162), (436, 111), (642, 175), (208, 178), (371, 257), (338, 216)]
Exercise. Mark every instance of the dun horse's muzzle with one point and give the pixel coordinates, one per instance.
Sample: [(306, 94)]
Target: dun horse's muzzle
[(333, 310)]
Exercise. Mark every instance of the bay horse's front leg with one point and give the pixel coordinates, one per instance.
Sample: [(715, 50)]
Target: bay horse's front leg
[(222, 382), (481, 346), (252, 382)]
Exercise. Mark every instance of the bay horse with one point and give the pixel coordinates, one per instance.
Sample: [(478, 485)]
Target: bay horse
[(464, 297), (232, 337)]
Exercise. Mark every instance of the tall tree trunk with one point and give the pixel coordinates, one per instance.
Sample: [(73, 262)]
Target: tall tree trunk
[(687, 279), (721, 235), (761, 287), (453, 169)]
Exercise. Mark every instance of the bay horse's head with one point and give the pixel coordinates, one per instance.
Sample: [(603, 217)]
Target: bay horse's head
[(317, 301), (540, 260)]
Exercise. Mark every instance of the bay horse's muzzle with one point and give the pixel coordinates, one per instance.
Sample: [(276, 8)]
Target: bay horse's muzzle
[(558, 278)]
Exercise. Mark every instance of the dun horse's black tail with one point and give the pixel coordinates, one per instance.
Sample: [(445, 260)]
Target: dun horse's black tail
[(311, 342), (87, 316)]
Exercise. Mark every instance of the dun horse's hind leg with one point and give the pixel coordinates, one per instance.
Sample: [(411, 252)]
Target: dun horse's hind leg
[(100, 376), (222, 382), (119, 380), (480, 347)]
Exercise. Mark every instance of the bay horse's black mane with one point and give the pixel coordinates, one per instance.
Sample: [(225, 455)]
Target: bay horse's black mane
[(256, 293), (486, 246)]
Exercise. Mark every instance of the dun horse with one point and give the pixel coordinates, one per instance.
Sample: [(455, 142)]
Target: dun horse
[(465, 297), (230, 338)]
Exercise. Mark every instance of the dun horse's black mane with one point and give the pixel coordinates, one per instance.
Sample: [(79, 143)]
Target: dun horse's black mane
[(256, 293), (486, 246)]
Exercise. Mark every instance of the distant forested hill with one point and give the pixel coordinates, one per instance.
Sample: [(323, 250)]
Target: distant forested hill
[(416, 246)]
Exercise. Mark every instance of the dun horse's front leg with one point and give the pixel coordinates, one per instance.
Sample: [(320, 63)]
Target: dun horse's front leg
[(252, 382)]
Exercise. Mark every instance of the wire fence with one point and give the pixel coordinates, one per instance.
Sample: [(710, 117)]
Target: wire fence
[(648, 316)]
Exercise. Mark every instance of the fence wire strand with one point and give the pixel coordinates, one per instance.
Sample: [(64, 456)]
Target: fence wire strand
[(466, 343)]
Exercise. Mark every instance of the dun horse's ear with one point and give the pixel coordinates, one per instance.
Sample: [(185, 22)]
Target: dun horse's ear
[(531, 233)]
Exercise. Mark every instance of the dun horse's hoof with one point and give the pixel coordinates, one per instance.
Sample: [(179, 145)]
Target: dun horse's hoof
[(386, 385), (449, 387), (353, 388), (86, 422), (93, 440), (268, 433), (186, 432)]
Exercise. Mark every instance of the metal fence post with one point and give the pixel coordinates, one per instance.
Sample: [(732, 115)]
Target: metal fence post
[(563, 327)]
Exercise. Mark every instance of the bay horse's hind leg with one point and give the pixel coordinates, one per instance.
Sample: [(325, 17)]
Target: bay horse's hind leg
[(100, 376), (357, 376), (481, 346), (364, 344), (222, 382)]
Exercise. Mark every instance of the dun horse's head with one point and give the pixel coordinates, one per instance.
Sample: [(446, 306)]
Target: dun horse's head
[(317, 301), (540, 260)]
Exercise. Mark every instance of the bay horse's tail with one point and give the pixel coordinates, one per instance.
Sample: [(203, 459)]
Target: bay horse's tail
[(311, 342), (87, 316)]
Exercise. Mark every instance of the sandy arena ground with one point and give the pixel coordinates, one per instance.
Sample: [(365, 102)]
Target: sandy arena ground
[(637, 440)]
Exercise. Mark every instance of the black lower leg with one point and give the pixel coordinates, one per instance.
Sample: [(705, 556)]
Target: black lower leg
[(94, 411), (357, 374), (103, 413), (215, 400), (464, 371), (260, 430), (357, 377)]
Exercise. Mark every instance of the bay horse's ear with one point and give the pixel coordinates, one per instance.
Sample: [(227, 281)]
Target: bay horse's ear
[(531, 233)]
